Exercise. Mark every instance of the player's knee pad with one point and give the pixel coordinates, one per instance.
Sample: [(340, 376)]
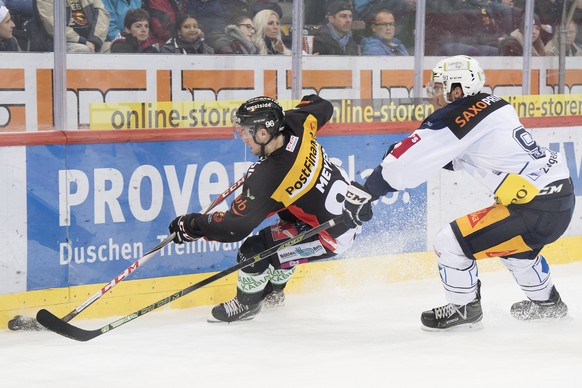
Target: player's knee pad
[(252, 246), (446, 241), (458, 273), (533, 276)]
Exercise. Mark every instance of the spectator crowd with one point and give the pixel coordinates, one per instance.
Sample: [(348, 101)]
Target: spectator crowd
[(348, 27)]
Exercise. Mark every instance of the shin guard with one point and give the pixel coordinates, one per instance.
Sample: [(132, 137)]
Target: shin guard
[(458, 273), (280, 277), (250, 286), (533, 276)]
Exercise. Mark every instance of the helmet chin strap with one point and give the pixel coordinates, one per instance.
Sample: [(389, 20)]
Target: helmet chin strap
[(263, 145)]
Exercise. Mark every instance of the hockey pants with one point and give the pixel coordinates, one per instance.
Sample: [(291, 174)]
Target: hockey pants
[(514, 233), (273, 273)]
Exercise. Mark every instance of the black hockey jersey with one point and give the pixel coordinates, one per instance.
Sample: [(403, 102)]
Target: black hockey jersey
[(297, 177)]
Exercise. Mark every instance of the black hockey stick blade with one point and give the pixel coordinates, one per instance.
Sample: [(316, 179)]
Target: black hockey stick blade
[(20, 322), (54, 323)]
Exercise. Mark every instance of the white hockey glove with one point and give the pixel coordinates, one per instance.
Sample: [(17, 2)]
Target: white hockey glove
[(357, 206)]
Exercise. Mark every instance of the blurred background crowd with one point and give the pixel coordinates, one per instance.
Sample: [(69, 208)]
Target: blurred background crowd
[(262, 27)]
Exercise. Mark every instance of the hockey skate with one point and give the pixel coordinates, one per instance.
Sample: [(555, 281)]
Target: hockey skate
[(274, 299), (528, 310), (233, 311), (454, 316)]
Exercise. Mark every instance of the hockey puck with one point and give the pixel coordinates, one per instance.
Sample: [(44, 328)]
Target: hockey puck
[(20, 322)]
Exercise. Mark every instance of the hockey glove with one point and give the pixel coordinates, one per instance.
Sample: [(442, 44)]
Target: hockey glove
[(185, 228), (357, 206)]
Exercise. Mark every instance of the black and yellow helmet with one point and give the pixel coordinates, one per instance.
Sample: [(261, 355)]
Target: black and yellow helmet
[(261, 112)]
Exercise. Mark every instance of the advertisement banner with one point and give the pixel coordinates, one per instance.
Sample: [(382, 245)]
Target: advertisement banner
[(100, 88), (93, 209)]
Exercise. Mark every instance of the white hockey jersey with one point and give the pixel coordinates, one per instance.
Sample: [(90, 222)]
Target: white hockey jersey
[(482, 135)]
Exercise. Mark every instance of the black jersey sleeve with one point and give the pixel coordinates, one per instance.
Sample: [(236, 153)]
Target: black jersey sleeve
[(313, 105), (246, 212)]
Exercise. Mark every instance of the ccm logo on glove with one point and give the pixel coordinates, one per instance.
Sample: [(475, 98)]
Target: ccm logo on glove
[(357, 206)]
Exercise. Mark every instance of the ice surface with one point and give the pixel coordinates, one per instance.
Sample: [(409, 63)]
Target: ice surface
[(365, 336)]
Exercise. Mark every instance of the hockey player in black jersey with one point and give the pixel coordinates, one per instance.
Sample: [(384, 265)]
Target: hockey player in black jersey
[(480, 134), (294, 179)]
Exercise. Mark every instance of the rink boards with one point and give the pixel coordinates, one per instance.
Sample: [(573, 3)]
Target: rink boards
[(78, 214)]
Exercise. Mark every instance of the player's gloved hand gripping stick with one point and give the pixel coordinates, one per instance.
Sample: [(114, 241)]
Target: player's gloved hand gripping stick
[(20, 322), (357, 206)]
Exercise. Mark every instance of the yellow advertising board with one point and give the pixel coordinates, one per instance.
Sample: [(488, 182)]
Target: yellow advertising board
[(204, 114)]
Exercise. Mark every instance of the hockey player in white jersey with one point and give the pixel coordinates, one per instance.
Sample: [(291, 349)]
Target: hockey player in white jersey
[(481, 134)]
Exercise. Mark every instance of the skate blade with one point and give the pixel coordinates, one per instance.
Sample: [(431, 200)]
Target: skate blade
[(218, 321), (566, 317), (475, 326), (271, 306)]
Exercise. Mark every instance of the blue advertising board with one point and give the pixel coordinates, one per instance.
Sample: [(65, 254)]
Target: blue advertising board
[(93, 209)]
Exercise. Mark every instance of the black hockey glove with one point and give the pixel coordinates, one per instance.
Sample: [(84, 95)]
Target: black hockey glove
[(357, 206), (185, 228)]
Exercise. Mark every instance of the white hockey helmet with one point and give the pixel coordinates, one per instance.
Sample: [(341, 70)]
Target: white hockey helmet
[(437, 71), (462, 70), (435, 77)]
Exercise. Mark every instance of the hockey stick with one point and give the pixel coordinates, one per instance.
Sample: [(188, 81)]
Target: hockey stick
[(20, 322), (53, 323)]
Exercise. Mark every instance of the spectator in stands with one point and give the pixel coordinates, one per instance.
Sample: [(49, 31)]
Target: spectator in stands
[(577, 17), (188, 39), (86, 29), (259, 5), (362, 7), (20, 8), (335, 37), (238, 38), (135, 37), (538, 47), (163, 14), (214, 15), (572, 49), (117, 10), (314, 12), (21, 12), (550, 12), (506, 15), (7, 41), (510, 47), (365, 9), (461, 27), (403, 10), (268, 34), (382, 41)]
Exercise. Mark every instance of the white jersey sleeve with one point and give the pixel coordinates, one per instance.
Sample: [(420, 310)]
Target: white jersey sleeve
[(482, 135), (416, 158)]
